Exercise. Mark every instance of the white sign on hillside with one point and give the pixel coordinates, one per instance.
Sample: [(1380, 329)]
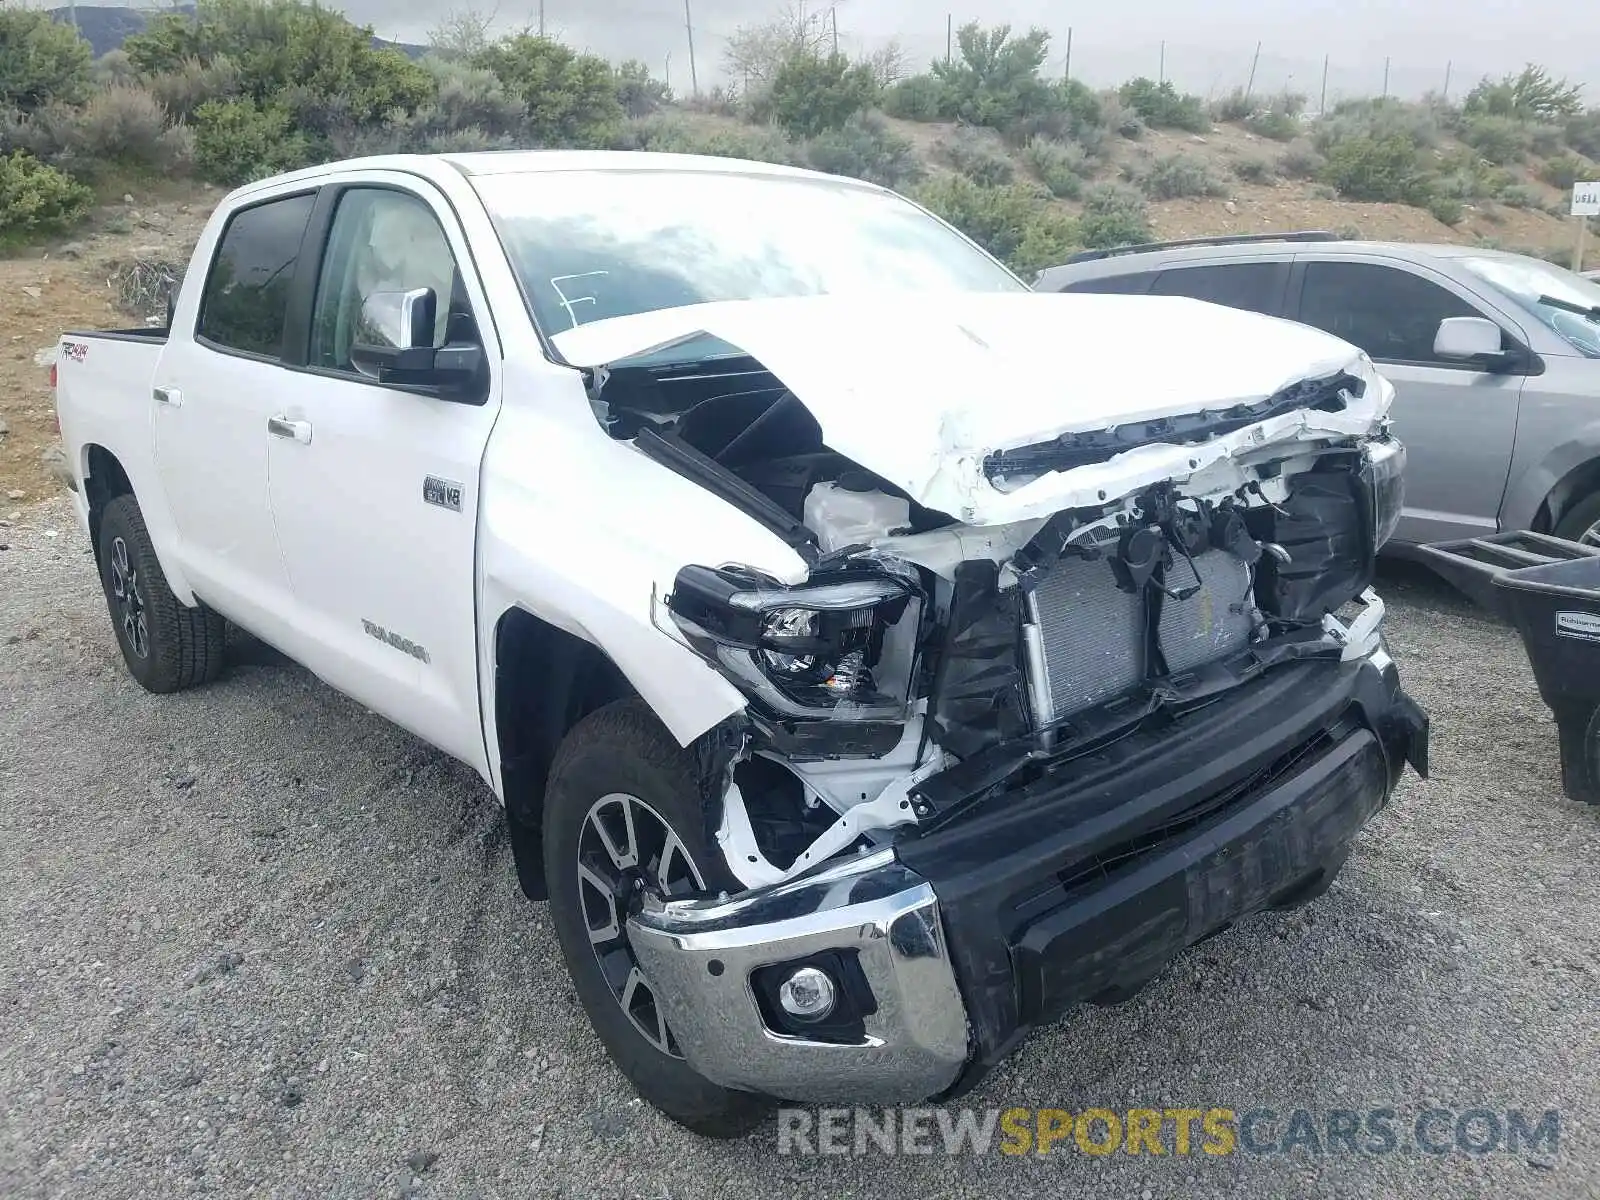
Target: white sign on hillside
[(1586, 199)]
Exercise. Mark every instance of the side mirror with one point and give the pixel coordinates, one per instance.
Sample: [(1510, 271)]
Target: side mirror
[(1469, 339), (393, 343)]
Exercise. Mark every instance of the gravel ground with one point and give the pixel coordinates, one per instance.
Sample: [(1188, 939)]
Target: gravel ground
[(258, 941)]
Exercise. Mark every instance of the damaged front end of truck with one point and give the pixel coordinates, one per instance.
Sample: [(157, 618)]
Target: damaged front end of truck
[(1056, 698)]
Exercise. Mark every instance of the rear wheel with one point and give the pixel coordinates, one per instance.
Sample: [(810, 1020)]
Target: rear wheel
[(168, 645), (622, 815), (1579, 730)]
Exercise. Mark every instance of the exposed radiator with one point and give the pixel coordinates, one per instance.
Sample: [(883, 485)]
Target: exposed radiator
[(1085, 637)]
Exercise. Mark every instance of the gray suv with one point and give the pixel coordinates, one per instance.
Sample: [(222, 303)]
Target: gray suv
[(1495, 359)]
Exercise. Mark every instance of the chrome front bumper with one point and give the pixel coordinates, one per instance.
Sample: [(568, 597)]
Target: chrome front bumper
[(699, 956)]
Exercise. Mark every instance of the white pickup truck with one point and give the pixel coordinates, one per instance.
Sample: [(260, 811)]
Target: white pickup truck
[(874, 658)]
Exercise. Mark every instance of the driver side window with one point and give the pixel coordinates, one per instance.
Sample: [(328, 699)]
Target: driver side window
[(384, 241)]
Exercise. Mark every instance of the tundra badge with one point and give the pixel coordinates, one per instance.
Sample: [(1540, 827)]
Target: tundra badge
[(445, 493)]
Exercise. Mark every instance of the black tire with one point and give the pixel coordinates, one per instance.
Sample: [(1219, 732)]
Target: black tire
[(623, 750), (167, 645), (1579, 519), (1579, 731)]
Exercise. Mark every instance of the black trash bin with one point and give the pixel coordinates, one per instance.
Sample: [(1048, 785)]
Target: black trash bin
[(1549, 588)]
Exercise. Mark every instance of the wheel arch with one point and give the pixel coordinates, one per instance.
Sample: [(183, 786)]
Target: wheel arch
[(1570, 489), (104, 479), (546, 680)]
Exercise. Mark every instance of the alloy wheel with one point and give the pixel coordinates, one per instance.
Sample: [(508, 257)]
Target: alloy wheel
[(130, 601), (626, 848)]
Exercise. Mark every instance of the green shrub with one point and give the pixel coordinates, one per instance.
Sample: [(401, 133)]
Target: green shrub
[(1377, 119), (1529, 96), (279, 46), (977, 157), (1300, 160), (1069, 112), (1235, 106), (568, 99), (812, 93), (1321, 191), (1175, 176), (468, 98), (995, 78), (1113, 215), (1500, 140), (1446, 209), (41, 60), (1582, 133), (113, 67), (1381, 169), (1564, 170), (236, 142), (639, 93), (184, 88), (1014, 223), (1063, 167), (1274, 124), (865, 148), (915, 98), (35, 198), (1162, 107), (1120, 117), (1253, 170), (1521, 195), (667, 134)]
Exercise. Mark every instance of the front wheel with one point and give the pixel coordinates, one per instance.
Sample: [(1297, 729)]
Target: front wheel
[(622, 815), (1581, 522), (168, 645)]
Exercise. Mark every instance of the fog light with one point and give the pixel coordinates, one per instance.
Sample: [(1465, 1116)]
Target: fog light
[(807, 995)]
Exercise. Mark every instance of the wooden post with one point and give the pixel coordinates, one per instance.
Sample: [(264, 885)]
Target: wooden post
[(1385, 78), (949, 35), (1322, 105), (1577, 250), (1066, 73), (688, 24), (1161, 71), (1250, 87)]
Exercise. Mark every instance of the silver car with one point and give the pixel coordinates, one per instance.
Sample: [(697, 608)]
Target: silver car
[(1495, 359)]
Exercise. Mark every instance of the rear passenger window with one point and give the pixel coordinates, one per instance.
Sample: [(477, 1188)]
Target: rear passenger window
[(1120, 285), (1391, 314), (247, 292), (1257, 287)]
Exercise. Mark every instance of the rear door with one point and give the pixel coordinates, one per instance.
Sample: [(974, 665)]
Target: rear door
[(374, 488), (1457, 420), (215, 385)]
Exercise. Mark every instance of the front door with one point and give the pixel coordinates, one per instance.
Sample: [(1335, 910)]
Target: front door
[(1458, 421), (375, 489), (213, 394)]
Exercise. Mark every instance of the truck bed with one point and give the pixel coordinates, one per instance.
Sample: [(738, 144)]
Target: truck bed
[(103, 382)]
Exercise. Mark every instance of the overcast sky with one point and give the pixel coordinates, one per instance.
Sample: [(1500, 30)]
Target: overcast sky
[(1208, 44)]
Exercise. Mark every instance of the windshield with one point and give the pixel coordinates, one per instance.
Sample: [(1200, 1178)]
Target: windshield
[(588, 245), (1562, 301)]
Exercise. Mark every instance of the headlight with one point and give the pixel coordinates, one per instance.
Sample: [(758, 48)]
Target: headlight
[(841, 649), (1385, 470)]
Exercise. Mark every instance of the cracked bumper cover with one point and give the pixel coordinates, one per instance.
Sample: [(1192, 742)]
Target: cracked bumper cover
[(969, 937)]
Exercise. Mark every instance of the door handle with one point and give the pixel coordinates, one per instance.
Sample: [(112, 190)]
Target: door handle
[(298, 431), (169, 396)]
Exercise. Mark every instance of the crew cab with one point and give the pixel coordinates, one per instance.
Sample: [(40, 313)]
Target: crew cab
[(875, 658)]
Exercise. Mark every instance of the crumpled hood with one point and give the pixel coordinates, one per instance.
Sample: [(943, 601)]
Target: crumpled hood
[(921, 388)]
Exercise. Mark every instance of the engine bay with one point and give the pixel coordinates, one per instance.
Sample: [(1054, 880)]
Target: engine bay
[(928, 664)]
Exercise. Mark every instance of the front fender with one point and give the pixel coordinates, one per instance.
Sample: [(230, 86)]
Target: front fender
[(587, 534), (1532, 483)]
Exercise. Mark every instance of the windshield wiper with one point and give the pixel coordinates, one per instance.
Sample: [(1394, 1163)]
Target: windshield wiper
[(1592, 311)]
